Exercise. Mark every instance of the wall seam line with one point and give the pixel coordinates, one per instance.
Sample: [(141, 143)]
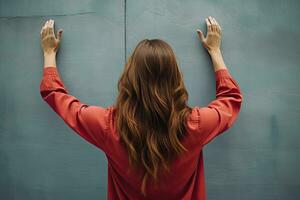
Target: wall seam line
[(125, 31)]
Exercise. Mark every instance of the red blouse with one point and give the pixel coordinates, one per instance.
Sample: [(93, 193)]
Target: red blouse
[(96, 125)]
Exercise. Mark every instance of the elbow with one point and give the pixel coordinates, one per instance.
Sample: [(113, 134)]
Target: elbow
[(240, 99), (240, 95), (238, 103), (236, 99), (233, 110), (236, 108), (236, 93), (44, 93)]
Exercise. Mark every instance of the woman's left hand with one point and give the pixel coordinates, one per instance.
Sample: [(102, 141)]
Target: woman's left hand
[(50, 43)]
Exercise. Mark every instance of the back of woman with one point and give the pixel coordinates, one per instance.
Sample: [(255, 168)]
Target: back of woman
[(152, 139)]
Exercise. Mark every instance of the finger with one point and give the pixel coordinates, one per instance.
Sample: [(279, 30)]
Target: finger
[(200, 34), (208, 24), (46, 27), (43, 31), (211, 20), (213, 26), (46, 24), (59, 34), (216, 22), (219, 27), (216, 25), (51, 27)]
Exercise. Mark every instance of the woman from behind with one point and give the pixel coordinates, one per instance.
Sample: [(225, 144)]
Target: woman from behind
[(152, 115), (152, 139)]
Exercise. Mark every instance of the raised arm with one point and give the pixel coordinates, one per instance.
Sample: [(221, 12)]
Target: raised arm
[(50, 43), (90, 122), (212, 42), (220, 114)]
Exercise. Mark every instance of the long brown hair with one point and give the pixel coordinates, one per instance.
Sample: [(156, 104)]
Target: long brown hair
[(152, 108)]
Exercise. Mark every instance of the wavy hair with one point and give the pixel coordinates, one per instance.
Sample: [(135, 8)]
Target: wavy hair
[(152, 108)]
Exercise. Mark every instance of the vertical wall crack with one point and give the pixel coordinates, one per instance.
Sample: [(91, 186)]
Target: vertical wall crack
[(125, 31)]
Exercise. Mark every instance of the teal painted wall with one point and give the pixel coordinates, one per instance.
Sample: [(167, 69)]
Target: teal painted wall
[(258, 158)]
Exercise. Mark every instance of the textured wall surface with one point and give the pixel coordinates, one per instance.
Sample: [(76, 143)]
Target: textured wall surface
[(258, 158)]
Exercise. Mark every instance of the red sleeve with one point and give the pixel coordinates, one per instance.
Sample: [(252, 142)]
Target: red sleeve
[(220, 114), (90, 122)]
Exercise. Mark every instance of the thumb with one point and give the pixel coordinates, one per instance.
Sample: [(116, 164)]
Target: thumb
[(200, 34), (59, 34)]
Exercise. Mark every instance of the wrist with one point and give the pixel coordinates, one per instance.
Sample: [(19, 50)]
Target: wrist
[(49, 54), (215, 52), (49, 59)]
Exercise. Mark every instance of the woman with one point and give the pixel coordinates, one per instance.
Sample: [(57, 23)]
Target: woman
[(152, 139)]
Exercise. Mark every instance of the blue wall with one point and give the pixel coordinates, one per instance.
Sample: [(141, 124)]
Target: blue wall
[(258, 158)]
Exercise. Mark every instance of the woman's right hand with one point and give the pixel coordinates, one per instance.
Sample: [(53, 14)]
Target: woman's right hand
[(212, 42)]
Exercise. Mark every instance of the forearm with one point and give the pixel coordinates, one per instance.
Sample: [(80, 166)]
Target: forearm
[(217, 60), (49, 59)]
